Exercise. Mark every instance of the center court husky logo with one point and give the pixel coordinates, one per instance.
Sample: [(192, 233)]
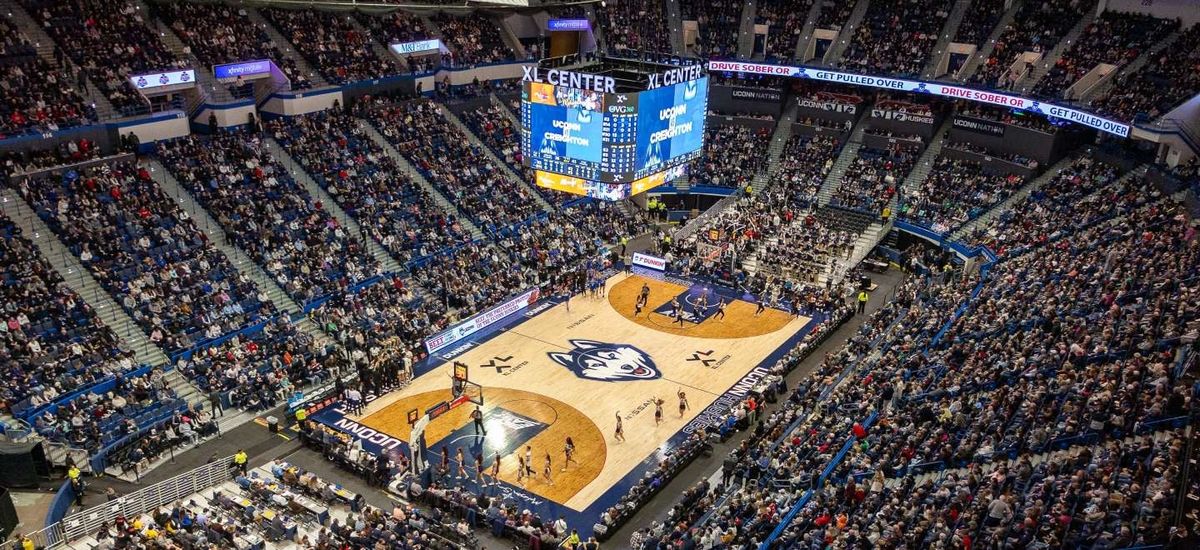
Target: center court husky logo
[(608, 362)]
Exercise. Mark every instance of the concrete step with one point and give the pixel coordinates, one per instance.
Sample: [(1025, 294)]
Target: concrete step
[(79, 279), (289, 51), (746, 30), (45, 47), (928, 157), (379, 49), (675, 27), (416, 175), (208, 84), (949, 29), (1101, 88), (806, 33), (834, 54), (1031, 80), (845, 159), (492, 156), (985, 50), (216, 235), (318, 193)]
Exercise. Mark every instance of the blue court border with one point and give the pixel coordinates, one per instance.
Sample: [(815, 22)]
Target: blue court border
[(548, 510)]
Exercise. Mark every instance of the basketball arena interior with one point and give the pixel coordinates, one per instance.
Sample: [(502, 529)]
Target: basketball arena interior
[(620, 274)]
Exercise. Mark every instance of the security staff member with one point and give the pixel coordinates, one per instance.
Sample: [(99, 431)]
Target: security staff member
[(862, 301), (301, 416), (239, 461), (624, 244)]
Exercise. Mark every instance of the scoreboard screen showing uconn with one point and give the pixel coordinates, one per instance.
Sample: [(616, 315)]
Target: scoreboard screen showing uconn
[(606, 136)]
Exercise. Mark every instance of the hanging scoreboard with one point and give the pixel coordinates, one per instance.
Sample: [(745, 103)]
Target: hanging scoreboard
[(588, 139)]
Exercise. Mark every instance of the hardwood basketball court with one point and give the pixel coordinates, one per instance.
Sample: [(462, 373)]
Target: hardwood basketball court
[(563, 372)]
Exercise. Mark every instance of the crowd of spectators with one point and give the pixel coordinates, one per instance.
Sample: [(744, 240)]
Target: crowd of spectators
[(805, 250), (805, 162), (446, 157), (979, 21), (1077, 195), (1164, 82), (733, 155), (896, 37), (496, 130), (635, 25), (51, 342), (69, 151), (400, 27), (874, 178), (718, 23), (1006, 116), (785, 20), (266, 213), (254, 372), (219, 33), (1036, 27), (393, 209), (1014, 158), (955, 192), (1115, 38), (834, 15), (145, 250), (92, 419), (110, 41), (473, 39), (34, 95), (332, 43)]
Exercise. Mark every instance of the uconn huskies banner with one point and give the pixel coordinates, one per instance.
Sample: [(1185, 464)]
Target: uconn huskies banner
[(934, 88)]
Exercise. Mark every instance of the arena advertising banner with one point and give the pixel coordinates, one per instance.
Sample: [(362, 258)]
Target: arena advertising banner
[(934, 88), (901, 116), (825, 105), (670, 127), (568, 25), (417, 47), (159, 80), (244, 69), (757, 94), (979, 125), (649, 262), (465, 329), (579, 186)]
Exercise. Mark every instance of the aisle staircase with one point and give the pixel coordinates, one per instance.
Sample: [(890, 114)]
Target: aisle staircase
[(949, 29), (779, 139), (1106, 83), (330, 205), (985, 50), (675, 27), (844, 160), (834, 54), (208, 84), (746, 30), (806, 33), (79, 279), (1038, 72), (1013, 200), (504, 167), (45, 50), (287, 48), (925, 163), (216, 235), (416, 175), (378, 48)]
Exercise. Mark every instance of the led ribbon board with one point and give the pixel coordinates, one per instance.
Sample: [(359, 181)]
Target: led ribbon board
[(933, 88)]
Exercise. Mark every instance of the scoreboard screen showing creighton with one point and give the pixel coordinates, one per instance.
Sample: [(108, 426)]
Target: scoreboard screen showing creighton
[(614, 128)]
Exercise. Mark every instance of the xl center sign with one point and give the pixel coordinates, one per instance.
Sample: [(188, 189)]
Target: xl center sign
[(958, 92)]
